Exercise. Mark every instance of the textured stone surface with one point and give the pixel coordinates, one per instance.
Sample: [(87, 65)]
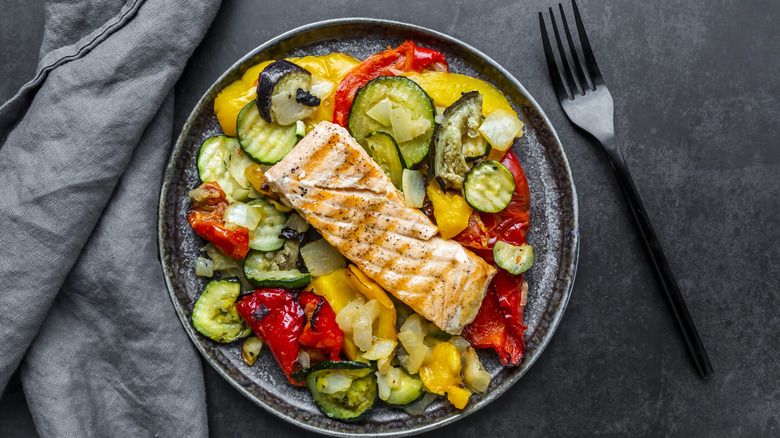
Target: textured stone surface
[(696, 96)]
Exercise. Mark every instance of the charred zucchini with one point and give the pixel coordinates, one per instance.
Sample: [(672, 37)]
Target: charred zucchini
[(457, 139), (264, 142), (284, 93), (214, 164), (215, 315), (266, 236), (515, 259), (406, 389), (274, 269), (398, 106), (489, 187), (343, 390), (384, 150)]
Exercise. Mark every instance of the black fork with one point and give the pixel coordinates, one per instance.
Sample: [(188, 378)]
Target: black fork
[(588, 104)]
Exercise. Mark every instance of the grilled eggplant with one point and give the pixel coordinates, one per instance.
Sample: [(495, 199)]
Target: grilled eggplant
[(284, 93)]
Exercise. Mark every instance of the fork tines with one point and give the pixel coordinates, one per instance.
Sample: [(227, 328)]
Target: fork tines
[(577, 77)]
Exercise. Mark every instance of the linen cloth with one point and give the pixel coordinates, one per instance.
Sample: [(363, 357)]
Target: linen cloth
[(84, 311)]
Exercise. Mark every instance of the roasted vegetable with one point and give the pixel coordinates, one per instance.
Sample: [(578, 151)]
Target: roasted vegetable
[(397, 106), (515, 259), (407, 57), (397, 387), (321, 338), (265, 236), (219, 159), (489, 187), (451, 211), (251, 349), (278, 320), (413, 187), (272, 269), (442, 375), (214, 314), (456, 139), (371, 290), (264, 142), (343, 390), (321, 258), (508, 225), (499, 322), (384, 150), (500, 129), (206, 216), (284, 93)]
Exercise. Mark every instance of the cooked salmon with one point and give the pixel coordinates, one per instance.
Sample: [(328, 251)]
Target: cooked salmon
[(332, 182)]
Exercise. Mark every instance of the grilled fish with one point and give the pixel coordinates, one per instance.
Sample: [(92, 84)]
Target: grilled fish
[(332, 182)]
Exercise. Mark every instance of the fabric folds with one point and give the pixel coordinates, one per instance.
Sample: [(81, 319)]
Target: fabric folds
[(83, 146)]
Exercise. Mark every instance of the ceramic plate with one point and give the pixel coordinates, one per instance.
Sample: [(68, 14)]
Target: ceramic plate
[(553, 232)]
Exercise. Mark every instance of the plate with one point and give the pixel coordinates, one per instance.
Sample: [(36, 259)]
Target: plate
[(553, 233)]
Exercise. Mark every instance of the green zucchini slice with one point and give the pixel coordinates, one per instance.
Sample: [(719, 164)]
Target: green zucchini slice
[(266, 236), (215, 315), (515, 259), (489, 186), (409, 389), (270, 269), (266, 143), (384, 150), (214, 163), (343, 390), (457, 140), (398, 106)]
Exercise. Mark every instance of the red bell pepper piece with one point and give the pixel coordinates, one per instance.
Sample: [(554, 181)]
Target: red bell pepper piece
[(498, 324), (510, 224), (206, 218), (277, 318), (322, 334), (406, 57)]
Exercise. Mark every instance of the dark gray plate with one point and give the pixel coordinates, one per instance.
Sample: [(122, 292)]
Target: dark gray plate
[(554, 230)]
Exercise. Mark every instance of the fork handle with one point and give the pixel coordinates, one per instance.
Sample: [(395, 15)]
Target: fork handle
[(669, 285)]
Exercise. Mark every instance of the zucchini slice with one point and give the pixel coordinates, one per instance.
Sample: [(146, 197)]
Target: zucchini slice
[(457, 139), (283, 93), (489, 186), (398, 106), (214, 164), (266, 236), (215, 315), (515, 259), (272, 269), (266, 143), (384, 150), (408, 389), (343, 390)]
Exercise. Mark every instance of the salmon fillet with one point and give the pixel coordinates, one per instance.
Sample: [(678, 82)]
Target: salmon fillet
[(333, 183)]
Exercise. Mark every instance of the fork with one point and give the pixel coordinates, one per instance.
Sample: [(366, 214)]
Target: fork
[(587, 102)]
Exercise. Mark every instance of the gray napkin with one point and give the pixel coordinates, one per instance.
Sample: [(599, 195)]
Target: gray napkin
[(84, 312)]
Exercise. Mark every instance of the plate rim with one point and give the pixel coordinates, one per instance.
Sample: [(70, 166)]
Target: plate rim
[(564, 163)]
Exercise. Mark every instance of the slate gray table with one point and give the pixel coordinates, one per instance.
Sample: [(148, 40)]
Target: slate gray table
[(696, 93)]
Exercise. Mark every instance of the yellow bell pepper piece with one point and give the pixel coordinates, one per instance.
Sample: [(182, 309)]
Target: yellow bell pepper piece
[(338, 291), (451, 211), (235, 96), (332, 67), (445, 88), (442, 375), (385, 327)]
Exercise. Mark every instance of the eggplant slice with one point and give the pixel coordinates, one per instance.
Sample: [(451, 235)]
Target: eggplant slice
[(284, 93), (457, 140)]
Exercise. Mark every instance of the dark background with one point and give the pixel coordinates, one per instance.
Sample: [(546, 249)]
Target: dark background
[(696, 92)]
